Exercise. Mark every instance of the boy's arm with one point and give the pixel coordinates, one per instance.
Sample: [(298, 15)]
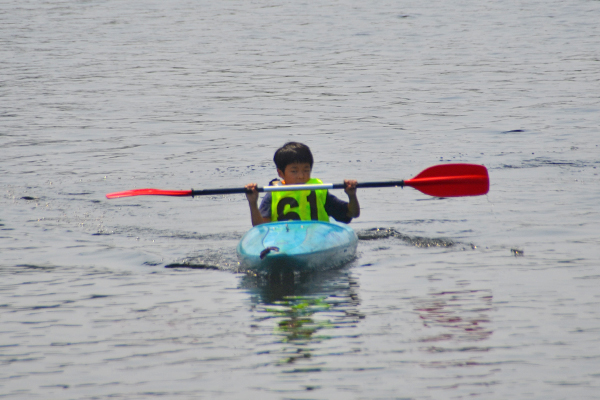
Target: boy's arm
[(255, 214), (353, 205)]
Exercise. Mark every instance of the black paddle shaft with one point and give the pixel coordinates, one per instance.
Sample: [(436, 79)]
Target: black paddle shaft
[(213, 192)]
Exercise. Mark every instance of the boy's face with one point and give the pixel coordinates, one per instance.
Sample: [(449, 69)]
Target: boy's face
[(295, 174)]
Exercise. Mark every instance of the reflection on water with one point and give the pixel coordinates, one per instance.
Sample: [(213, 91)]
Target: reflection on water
[(455, 317), (303, 312)]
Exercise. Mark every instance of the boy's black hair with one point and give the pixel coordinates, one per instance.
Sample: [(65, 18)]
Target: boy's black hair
[(292, 152)]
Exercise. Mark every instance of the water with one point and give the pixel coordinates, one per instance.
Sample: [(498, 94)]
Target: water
[(493, 296)]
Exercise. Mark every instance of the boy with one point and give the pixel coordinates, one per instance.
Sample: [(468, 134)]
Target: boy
[(294, 163)]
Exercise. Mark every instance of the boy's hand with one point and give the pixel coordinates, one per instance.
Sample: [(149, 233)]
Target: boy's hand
[(252, 197), (350, 187), (353, 206)]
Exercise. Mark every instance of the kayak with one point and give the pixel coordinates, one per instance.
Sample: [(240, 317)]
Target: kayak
[(297, 246)]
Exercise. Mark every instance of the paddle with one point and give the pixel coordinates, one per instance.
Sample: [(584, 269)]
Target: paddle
[(445, 180)]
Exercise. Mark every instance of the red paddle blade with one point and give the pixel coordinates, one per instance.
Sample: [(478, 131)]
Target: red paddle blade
[(149, 192), (452, 180)]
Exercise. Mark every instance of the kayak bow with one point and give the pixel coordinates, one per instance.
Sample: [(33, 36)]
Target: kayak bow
[(298, 246)]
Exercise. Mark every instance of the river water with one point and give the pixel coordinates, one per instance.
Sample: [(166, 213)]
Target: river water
[(492, 297)]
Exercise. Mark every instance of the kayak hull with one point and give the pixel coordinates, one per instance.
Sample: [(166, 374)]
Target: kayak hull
[(296, 246)]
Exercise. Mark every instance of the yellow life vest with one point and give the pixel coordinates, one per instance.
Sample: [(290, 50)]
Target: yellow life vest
[(304, 205)]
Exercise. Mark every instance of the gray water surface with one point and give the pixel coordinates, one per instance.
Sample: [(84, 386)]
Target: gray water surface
[(492, 297)]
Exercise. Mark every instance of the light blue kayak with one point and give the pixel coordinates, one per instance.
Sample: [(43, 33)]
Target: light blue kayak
[(299, 246)]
